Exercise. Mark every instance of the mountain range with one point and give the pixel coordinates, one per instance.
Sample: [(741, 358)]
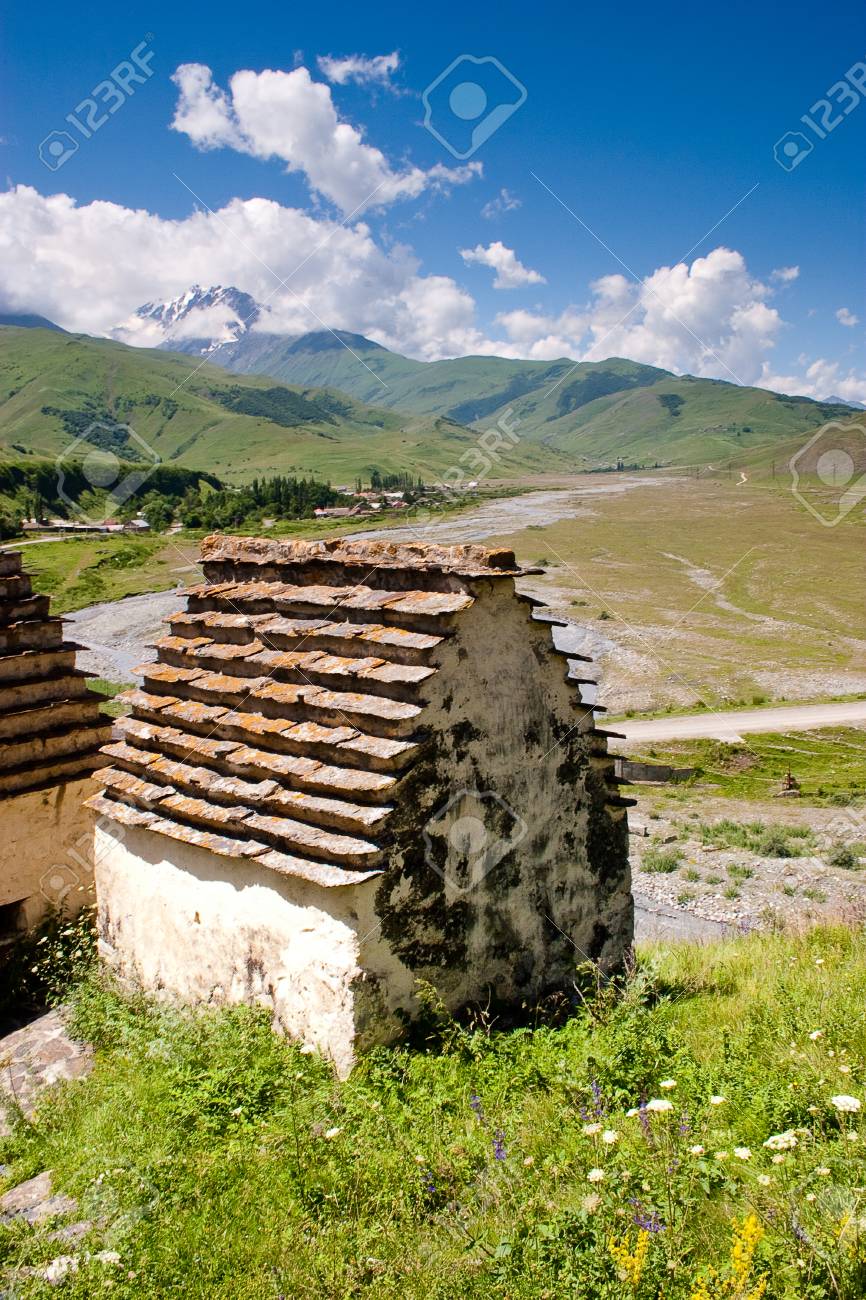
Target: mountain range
[(340, 404), (586, 414), (61, 392)]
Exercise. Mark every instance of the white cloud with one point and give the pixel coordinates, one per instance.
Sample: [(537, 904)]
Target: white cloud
[(785, 274), (97, 262), (289, 116), (510, 273), (89, 266), (708, 319), (504, 201), (821, 380), (357, 68), (846, 317)]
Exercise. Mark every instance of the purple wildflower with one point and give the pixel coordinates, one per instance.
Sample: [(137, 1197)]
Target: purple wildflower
[(643, 1117), (499, 1152), (646, 1219), (429, 1185), (597, 1097), (475, 1103)]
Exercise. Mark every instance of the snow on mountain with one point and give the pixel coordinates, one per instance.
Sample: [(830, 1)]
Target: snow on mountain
[(199, 321)]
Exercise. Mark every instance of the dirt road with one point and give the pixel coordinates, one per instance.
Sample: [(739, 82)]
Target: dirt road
[(734, 725)]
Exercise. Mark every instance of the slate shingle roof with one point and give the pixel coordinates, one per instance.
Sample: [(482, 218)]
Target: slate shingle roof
[(288, 697), (50, 725)]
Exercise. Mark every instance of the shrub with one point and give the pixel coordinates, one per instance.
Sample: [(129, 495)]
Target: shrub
[(661, 860), (842, 855)]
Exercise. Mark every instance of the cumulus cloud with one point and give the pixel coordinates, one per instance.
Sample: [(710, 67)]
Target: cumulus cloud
[(785, 274), (289, 116), (98, 262), (89, 266), (709, 319), (504, 201), (846, 317), (822, 379), (355, 67), (510, 273)]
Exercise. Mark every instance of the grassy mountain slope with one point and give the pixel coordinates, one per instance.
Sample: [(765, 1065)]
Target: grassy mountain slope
[(592, 412), (55, 387)]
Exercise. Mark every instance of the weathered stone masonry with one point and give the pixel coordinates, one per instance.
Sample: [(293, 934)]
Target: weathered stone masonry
[(356, 765), (50, 734)]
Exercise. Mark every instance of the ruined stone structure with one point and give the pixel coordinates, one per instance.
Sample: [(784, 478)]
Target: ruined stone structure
[(356, 766), (50, 733)]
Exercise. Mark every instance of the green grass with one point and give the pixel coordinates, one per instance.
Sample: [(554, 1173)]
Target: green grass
[(661, 860), (769, 841), (109, 690), (829, 765), (79, 571), (221, 1163)]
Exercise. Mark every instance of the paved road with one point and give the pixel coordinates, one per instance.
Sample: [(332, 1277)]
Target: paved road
[(734, 725)]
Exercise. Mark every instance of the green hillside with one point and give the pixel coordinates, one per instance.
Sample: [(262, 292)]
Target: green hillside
[(592, 413), (56, 387)]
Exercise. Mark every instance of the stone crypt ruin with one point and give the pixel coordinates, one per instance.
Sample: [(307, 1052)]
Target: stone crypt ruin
[(50, 733), (355, 766)]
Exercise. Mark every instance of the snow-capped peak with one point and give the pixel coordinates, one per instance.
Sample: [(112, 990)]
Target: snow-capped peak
[(199, 320)]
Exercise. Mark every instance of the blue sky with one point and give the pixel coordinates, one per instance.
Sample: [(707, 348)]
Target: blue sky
[(649, 123)]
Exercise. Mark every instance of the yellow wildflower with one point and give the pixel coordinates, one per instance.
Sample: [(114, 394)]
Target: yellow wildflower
[(630, 1259)]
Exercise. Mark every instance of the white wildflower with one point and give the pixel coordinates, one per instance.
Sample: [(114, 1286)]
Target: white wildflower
[(822, 1172), (816, 1034), (595, 1176), (659, 1103), (591, 1129), (331, 1133), (810, 1197), (591, 1203), (778, 1158), (846, 1104), (743, 1153), (764, 1180), (716, 1100), (610, 1136), (668, 1083), (696, 1150), (782, 1141), (721, 1155)]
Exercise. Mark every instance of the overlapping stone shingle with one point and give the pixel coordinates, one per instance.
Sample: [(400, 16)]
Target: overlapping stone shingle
[(287, 701), (50, 725)]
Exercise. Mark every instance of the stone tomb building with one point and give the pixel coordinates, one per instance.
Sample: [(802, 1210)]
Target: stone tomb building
[(50, 734), (356, 765)]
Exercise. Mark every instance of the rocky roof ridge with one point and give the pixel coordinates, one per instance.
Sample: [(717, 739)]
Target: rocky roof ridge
[(465, 561)]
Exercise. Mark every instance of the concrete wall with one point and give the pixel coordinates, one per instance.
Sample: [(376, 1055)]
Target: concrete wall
[(195, 927), (46, 849)]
